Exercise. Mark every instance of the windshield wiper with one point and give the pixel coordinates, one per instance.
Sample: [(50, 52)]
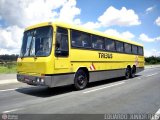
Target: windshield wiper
[(21, 56)]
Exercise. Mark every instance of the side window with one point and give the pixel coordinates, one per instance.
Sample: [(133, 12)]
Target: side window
[(110, 45), (81, 39), (61, 42), (119, 46), (127, 48), (140, 50), (98, 42), (134, 49)]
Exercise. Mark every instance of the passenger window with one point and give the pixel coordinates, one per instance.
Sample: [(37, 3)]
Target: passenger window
[(119, 46), (140, 50), (98, 42), (110, 45), (62, 42), (134, 49), (76, 39), (127, 48), (81, 39)]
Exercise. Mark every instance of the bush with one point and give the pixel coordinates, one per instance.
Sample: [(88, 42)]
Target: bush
[(152, 60)]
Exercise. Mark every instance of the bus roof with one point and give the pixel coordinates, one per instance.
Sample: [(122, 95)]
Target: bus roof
[(79, 28)]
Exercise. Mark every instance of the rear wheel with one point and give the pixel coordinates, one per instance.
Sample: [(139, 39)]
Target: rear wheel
[(127, 74), (80, 80), (133, 72)]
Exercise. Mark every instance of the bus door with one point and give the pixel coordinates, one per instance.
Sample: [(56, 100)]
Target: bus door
[(61, 49)]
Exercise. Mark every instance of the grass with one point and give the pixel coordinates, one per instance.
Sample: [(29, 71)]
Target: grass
[(8, 68)]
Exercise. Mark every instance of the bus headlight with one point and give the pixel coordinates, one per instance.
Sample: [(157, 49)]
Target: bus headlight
[(42, 80), (38, 80)]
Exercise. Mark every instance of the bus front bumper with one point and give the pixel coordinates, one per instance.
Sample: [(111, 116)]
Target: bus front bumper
[(49, 81), (35, 80)]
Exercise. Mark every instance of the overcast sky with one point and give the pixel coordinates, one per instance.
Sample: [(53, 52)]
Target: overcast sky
[(130, 19)]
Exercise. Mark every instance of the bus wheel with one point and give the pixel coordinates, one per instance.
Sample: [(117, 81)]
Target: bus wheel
[(127, 74), (133, 72), (80, 80)]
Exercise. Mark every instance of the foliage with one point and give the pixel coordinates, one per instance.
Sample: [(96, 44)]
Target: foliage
[(8, 63), (8, 57), (152, 60)]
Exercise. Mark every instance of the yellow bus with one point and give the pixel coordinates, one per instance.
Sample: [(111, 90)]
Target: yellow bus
[(56, 54)]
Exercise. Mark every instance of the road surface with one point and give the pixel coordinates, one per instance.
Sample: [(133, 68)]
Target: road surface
[(101, 100)]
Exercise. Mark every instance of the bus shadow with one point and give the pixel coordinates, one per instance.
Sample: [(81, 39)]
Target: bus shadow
[(50, 92), (39, 91)]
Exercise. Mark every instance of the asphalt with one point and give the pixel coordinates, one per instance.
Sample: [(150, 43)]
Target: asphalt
[(7, 76), (136, 96)]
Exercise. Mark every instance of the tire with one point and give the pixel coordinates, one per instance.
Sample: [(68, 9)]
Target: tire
[(80, 80), (133, 72), (127, 73)]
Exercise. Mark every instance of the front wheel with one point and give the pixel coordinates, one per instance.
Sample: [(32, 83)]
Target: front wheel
[(80, 80)]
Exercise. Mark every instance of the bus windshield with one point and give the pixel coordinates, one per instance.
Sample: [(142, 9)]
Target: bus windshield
[(37, 42)]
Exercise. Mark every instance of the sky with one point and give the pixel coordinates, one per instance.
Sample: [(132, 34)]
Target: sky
[(134, 20)]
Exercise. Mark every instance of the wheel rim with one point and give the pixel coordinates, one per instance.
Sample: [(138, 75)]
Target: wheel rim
[(81, 80), (133, 73)]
